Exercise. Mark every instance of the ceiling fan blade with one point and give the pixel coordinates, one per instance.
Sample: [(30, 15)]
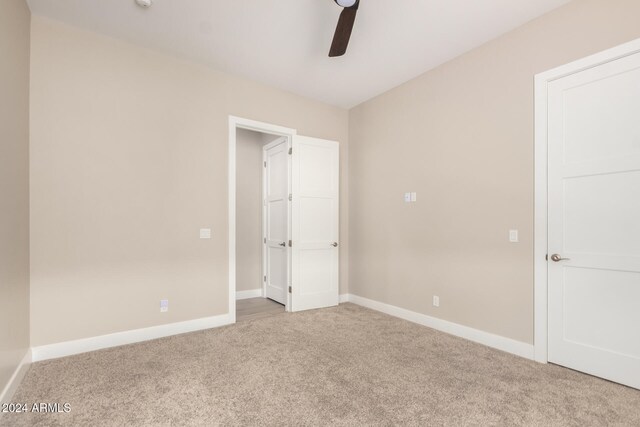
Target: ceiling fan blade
[(343, 31)]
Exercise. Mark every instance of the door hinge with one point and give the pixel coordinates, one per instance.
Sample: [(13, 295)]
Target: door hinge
[(289, 289), (290, 197), (290, 243), (290, 150), (264, 240), (264, 278), (546, 257), (265, 164)]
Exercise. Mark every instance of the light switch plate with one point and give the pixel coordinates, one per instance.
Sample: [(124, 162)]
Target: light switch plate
[(205, 233), (513, 236), (407, 197), (414, 197)]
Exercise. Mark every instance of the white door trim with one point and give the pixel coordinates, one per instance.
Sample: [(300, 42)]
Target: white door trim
[(540, 234), (241, 123)]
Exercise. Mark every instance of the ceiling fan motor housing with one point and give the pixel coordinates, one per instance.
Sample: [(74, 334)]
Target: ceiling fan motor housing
[(346, 3), (144, 3)]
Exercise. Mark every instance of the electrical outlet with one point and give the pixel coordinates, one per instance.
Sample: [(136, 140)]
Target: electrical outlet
[(513, 236), (164, 305), (436, 301)]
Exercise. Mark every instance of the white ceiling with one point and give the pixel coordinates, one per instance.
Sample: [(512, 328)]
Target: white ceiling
[(285, 43)]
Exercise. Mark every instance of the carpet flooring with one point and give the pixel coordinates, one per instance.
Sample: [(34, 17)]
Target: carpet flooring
[(346, 366)]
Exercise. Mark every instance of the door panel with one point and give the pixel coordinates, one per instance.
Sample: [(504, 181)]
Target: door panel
[(277, 273), (276, 187), (317, 219), (316, 272), (590, 203), (615, 101), (315, 251), (317, 175), (594, 211), (276, 212), (599, 306)]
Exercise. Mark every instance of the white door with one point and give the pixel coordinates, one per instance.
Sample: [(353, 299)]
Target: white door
[(314, 223), (594, 221), (276, 219)]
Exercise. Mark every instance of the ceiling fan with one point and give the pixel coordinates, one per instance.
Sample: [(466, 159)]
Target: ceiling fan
[(345, 25)]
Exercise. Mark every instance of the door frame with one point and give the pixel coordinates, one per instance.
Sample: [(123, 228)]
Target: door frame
[(248, 124), (542, 81)]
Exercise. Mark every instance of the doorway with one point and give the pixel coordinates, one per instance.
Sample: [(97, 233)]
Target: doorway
[(262, 220), (587, 208), (298, 222)]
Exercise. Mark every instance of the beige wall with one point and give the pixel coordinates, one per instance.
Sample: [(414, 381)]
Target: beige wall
[(249, 210), (14, 185), (461, 136), (128, 161)]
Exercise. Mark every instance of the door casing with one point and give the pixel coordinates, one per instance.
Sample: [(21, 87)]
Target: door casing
[(541, 182)]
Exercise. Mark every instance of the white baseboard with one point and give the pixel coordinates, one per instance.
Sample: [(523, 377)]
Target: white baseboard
[(254, 293), (68, 348), (15, 380), (491, 340)]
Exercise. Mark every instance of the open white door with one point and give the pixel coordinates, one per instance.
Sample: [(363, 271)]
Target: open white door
[(276, 219), (594, 217), (314, 223)]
